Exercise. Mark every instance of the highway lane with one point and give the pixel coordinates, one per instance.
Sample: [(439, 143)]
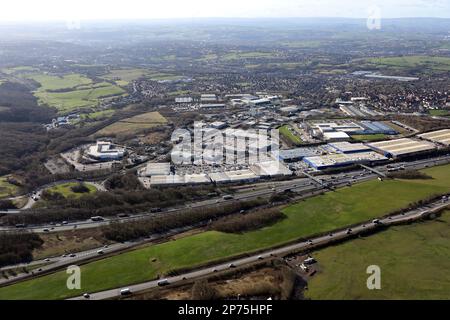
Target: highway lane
[(297, 185), (301, 246)]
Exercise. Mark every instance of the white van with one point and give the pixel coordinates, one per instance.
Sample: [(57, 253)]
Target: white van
[(125, 291)]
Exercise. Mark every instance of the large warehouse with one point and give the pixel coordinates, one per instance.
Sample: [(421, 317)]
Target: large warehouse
[(347, 147), (401, 147), (441, 136), (341, 159)]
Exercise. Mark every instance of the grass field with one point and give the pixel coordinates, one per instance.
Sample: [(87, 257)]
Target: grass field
[(440, 113), (7, 189), (289, 135), (424, 62), (133, 125), (51, 82), (415, 266), (78, 91), (369, 137), (66, 189), (246, 55), (123, 77), (314, 215)]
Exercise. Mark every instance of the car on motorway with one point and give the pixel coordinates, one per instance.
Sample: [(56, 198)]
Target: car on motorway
[(227, 197), (376, 221), (349, 231), (72, 255), (260, 257), (123, 215), (154, 210), (46, 230), (231, 265), (47, 260), (20, 225), (86, 295), (163, 282), (215, 270), (125, 291), (97, 218), (64, 222), (100, 252)]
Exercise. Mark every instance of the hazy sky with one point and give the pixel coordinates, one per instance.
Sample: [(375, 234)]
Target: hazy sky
[(12, 10)]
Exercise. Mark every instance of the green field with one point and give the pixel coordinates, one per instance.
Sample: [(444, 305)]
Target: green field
[(123, 77), (415, 266), (247, 55), (314, 215), (66, 191), (289, 135), (134, 124), (423, 62), (440, 113), (7, 189), (369, 137), (71, 92), (52, 82)]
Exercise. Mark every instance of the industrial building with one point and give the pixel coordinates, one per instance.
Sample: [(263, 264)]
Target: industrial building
[(342, 159), (297, 154), (347, 147), (183, 100), (440, 136), (335, 136), (208, 98), (376, 127), (244, 175), (156, 169), (105, 151), (270, 169), (401, 147)]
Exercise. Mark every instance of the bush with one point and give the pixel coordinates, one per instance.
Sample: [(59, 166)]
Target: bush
[(202, 290), (80, 188), (18, 247), (250, 221), (133, 230)]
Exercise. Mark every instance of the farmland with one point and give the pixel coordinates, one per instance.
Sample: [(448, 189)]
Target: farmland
[(70, 92), (134, 124), (410, 62), (314, 215), (415, 266)]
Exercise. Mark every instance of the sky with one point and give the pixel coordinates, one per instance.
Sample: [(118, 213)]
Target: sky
[(43, 10)]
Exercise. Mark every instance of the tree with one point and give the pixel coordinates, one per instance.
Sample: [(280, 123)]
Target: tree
[(202, 290)]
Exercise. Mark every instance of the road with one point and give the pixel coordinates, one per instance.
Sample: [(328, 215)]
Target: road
[(306, 244), (304, 186)]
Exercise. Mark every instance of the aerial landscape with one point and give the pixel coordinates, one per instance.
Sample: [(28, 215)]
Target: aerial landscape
[(232, 156)]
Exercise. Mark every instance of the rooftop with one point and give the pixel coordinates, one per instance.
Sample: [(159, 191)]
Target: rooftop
[(440, 136)]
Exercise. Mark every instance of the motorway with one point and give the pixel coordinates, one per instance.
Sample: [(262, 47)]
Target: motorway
[(303, 186), (307, 244)]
